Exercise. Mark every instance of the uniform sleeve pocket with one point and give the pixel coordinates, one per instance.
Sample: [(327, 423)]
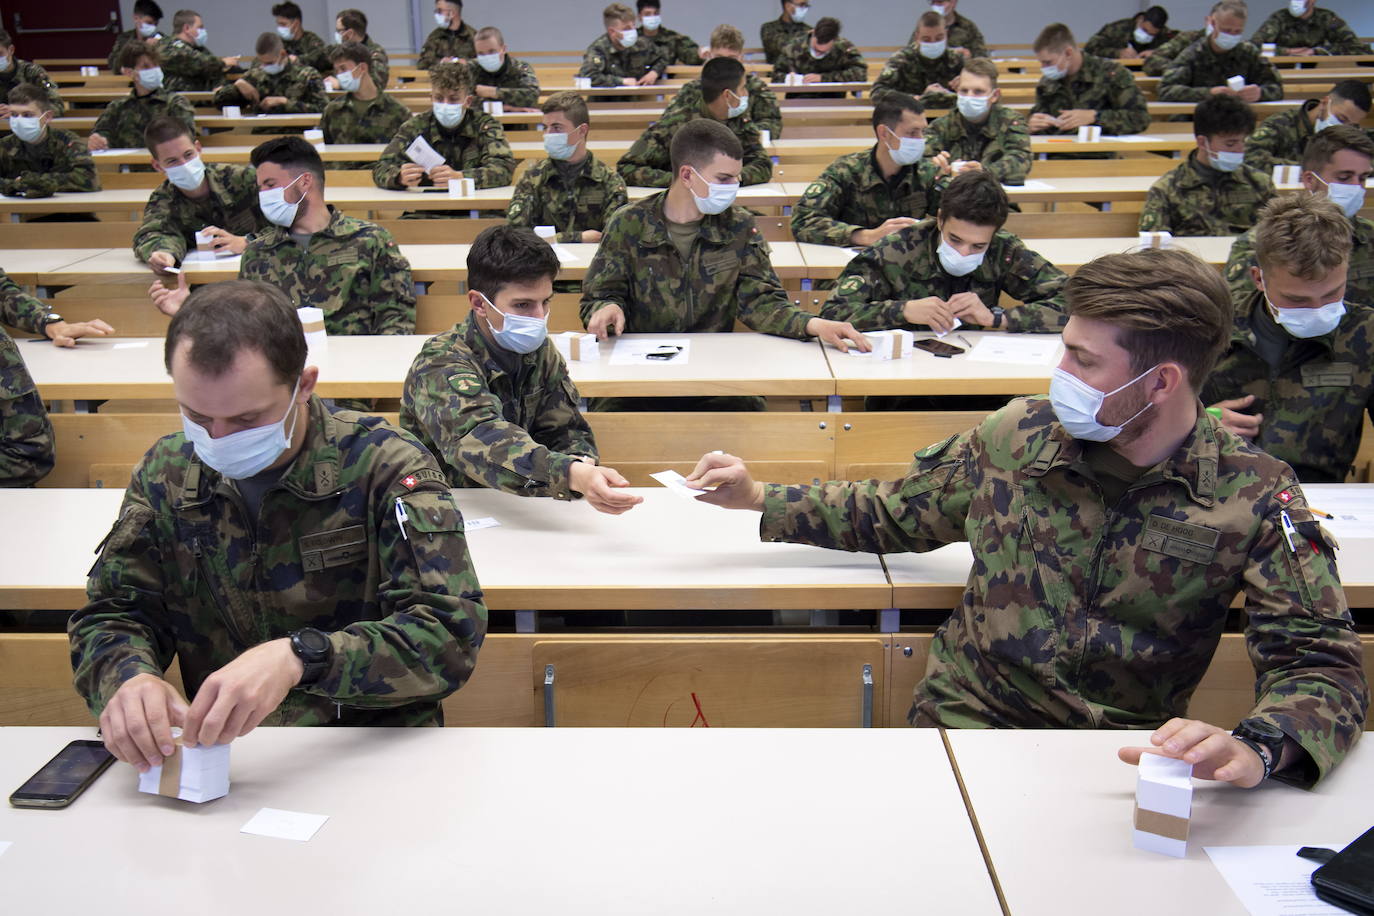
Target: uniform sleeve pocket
[(434, 532)]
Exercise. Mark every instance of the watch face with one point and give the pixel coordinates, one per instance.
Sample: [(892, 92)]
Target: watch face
[(1263, 730), (313, 641)]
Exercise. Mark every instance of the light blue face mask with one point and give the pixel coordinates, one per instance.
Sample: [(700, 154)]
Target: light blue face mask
[(349, 80), (150, 78), (273, 69), (248, 451), (27, 129), (520, 333), (1077, 404), (448, 114), (201, 35), (285, 32), (1307, 323), (147, 29), (558, 146)]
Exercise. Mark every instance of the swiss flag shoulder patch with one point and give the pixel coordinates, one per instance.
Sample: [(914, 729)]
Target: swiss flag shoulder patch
[(409, 482), (1284, 496)]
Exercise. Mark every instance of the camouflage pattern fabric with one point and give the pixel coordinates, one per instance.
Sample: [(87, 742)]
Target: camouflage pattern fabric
[(515, 83), (851, 195), (171, 219), (444, 42), (59, 161), (1101, 85), (962, 33), (300, 85), (20, 310), (1359, 281), (1001, 143), (1164, 55), (676, 47), (310, 51), (842, 63), (907, 71), (1115, 37), (542, 199), (477, 146), (776, 34), (490, 427), (648, 163), (189, 68), (23, 71), (763, 104), (353, 120), (608, 64), (123, 38), (1083, 615), (1194, 199), (1199, 68), (123, 121), (1324, 32), (906, 265), (185, 574), (1281, 139), (380, 64), (26, 438)]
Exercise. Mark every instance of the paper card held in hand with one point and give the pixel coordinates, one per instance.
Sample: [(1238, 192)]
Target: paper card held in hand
[(576, 347), (1163, 804), (422, 154), (194, 774), (677, 484)]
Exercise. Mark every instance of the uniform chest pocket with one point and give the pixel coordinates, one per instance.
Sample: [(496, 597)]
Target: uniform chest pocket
[(913, 205), (328, 549), (719, 264), (1328, 375), (594, 200)]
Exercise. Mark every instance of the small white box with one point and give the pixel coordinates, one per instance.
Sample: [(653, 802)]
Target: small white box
[(315, 138), (766, 137), (1163, 805), (582, 82), (1287, 175), (546, 232), (316, 338), (1156, 240), (494, 107), (461, 187), (576, 347), (1237, 83), (1089, 133), (894, 344), (794, 79), (194, 774), (1269, 49), (232, 111)]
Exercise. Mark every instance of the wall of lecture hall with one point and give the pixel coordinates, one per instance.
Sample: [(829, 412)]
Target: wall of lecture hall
[(558, 24)]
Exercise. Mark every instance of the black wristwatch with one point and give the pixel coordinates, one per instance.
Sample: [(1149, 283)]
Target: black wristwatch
[(315, 651), (1262, 738), (50, 318), (999, 317)]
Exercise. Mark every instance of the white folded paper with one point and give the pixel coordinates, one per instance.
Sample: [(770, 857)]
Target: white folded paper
[(576, 347), (315, 138), (1269, 49), (1089, 133), (765, 138), (194, 774), (422, 154), (1163, 805), (231, 111), (1155, 240), (546, 232), (582, 82)]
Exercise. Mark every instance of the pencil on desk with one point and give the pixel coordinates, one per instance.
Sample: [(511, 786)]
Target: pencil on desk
[(1319, 512)]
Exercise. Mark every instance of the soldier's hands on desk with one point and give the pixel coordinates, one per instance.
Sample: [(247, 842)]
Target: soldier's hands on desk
[(598, 485), (411, 173), (1213, 752), (607, 320), (838, 334), (65, 334), (236, 698), (734, 488), (136, 725)]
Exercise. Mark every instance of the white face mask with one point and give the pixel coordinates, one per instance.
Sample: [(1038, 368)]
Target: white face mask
[(248, 451), (974, 107), (734, 111), (338, 37), (956, 264), (150, 78), (27, 129), (490, 62), (718, 197), (933, 49), (1141, 36), (4, 63), (273, 69), (188, 175), (1076, 404), (147, 29), (629, 37), (799, 13), (285, 32), (275, 207), (1307, 323), (1297, 7), (1226, 41), (441, 20), (448, 114), (909, 149), (1349, 197), (559, 146), (201, 35), (1208, 29), (815, 55), (653, 22), (1224, 161), (520, 333), (349, 80), (1051, 72)]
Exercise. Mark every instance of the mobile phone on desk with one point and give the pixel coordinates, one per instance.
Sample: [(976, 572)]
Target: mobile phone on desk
[(63, 778), (665, 352), (938, 347)]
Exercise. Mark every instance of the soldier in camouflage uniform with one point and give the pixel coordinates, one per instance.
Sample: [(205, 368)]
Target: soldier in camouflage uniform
[(838, 61), (677, 48), (351, 25), (1203, 68), (122, 123), (509, 81), (473, 147), (372, 613), (647, 164), (963, 35), (1122, 37), (686, 260), (981, 130), (20, 310), (1164, 55), (366, 114), (916, 278), (500, 411), (572, 190), (189, 65), (1078, 90), (1339, 161), (1282, 139), (927, 68), (1299, 386), (26, 439), (303, 46), (197, 196), (622, 57), (16, 72), (275, 84), (452, 40), (776, 34), (1213, 192), (863, 196), (39, 160), (727, 41), (1107, 551), (1316, 31), (147, 14)]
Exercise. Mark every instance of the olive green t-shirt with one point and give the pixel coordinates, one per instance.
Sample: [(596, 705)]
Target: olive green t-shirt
[(1111, 469)]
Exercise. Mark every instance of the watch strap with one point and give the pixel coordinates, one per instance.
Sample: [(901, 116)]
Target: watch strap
[(1266, 756)]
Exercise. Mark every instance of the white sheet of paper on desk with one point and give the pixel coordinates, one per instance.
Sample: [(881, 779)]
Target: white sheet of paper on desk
[(422, 154), (677, 484), (635, 351), (1272, 880), (5, 844), (1023, 349), (477, 524), (130, 344), (284, 825), (1136, 138), (1030, 185), (564, 255), (1352, 506)]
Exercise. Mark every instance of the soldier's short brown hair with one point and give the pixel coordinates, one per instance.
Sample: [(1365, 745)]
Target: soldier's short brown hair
[(29, 94), (1054, 37), (135, 51), (1230, 8), (1167, 305), (727, 38), (568, 103), (450, 76), (930, 19), (507, 254), (975, 197), (355, 51), (164, 128), (490, 31), (1306, 235), (1331, 141), (697, 142), (182, 18), (981, 66), (220, 320), (292, 153), (268, 43), (719, 74), (617, 12), (827, 30), (353, 21)]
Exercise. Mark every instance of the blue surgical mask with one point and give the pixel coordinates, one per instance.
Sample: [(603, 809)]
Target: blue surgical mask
[(1224, 160), (1226, 41), (973, 107), (1349, 197), (201, 35), (956, 264), (490, 62), (276, 208), (629, 37), (248, 451), (734, 111), (147, 29), (1051, 72), (520, 333), (284, 32), (273, 69), (933, 49), (652, 22), (909, 149), (1077, 404), (1307, 323), (558, 146), (718, 197), (188, 175), (349, 80), (799, 13), (448, 114), (441, 20), (338, 37), (1141, 36), (150, 78), (27, 129), (1297, 7), (816, 55)]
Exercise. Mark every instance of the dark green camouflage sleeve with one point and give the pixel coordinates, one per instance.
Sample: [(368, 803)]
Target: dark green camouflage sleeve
[(1156, 215), (646, 164), (853, 69), (521, 90), (160, 229), (1008, 157), (18, 309), (608, 280), (393, 292), (1273, 143), (387, 172), (763, 304), (26, 437), (496, 162), (865, 295), (1129, 113), (1039, 287), (1238, 264), (1110, 40)]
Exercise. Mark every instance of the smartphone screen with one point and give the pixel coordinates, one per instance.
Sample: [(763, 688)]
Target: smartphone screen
[(938, 347), (64, 777)]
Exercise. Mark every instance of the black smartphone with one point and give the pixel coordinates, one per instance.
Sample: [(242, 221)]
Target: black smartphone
[(667, 351), (64, 777), (938, 347), (1347, 881)]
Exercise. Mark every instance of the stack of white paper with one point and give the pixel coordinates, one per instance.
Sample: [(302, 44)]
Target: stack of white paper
[(194, 774), (894, 344), (575, 347), (1163, 804)]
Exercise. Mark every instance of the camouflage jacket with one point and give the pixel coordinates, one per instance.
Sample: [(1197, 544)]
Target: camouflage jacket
[(905, 265), (300, 85), (606, 64), (26, 439), (1078, 614), (1164, 55), (20, 310), (1194, 199), (515, 83), (380, 64), (171, 219), (23, 71), (542, 199), (1115, 37), (1359, 285), (777, 33), (1323, 31), (477, 146), (186, 572), (517, 431), (1281, 139), (1001, 143), (763, 104), (960, 32), (1314, 401), (444, 42), (189, 68), (907, 71), (1101, 85), (1199, 68), (311, 51), (123, 121), (842, 64), (676, 47), (59, 161), (851, 194), (647, 163), (348, 119), (121, 40), (352, 269), (726, 276)]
